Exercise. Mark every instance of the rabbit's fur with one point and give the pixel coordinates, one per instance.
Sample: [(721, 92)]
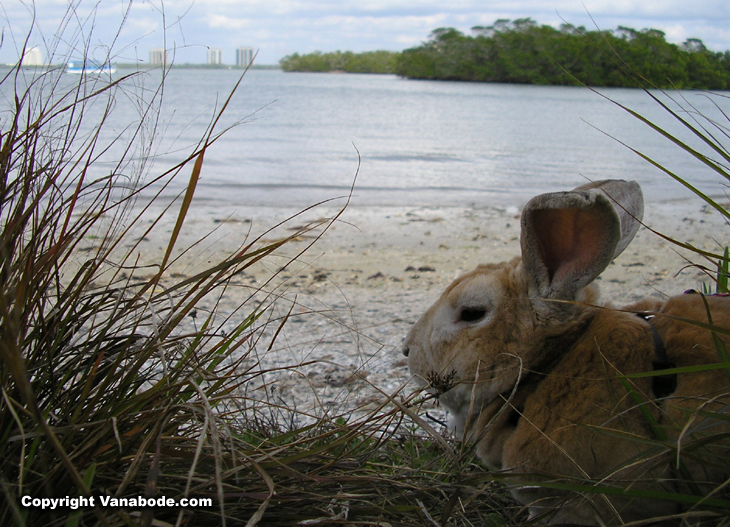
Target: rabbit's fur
[(529, 365)]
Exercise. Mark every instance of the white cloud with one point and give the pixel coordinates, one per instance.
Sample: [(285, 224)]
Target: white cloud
[(226, 22)]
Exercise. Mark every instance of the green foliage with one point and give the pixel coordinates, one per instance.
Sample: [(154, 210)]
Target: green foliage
[(719, 283), (722, 273), (368, 62), (522, 51)]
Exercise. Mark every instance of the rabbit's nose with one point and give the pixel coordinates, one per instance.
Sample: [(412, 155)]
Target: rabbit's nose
[(406, 350)]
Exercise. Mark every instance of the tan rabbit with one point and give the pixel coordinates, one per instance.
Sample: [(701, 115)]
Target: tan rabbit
[(533, 369)]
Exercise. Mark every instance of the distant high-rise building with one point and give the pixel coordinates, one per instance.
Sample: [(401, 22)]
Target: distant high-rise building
[(244, 57), (32, 57), (215, 56), (158, 57)]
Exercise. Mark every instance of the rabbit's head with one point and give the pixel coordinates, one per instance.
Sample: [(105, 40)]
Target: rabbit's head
[(501, 320)]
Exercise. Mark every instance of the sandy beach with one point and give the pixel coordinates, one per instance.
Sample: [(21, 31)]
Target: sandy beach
[(364, 279)]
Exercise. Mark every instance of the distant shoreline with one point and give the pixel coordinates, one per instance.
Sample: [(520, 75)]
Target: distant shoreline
[(145, 65), (202, 66), (523, 52)]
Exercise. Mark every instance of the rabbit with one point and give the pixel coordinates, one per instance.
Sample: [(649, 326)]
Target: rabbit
[(530, 366)]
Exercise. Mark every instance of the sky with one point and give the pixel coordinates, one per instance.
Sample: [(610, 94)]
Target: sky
[(276, 28)]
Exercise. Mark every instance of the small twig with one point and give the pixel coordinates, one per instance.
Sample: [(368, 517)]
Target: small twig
[(426, 514)]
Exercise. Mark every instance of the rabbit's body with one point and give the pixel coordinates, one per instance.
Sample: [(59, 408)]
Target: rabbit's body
[(534, 371)]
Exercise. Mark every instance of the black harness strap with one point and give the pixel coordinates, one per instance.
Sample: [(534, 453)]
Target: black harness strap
[(662, 385)]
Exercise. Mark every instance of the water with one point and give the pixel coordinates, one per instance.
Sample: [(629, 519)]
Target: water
[(304, 138)]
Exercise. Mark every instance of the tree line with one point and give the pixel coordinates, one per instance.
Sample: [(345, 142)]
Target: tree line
[(521, 51), (368, 62)]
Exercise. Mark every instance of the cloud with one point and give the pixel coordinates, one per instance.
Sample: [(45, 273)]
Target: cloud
[(224, 22)]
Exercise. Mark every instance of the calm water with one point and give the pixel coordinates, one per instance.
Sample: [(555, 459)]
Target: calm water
[(419, 142)]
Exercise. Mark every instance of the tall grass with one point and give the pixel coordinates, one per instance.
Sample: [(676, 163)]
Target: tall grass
[(705, 439), (99, 376)]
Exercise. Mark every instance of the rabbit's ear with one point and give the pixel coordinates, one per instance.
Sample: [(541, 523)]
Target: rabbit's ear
[(569, 238), (628, 201)]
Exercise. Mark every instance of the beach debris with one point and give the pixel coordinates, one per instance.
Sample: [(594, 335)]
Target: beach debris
[(231, 220), (414, 217), (336, 377), (420, 269), (376, 275)]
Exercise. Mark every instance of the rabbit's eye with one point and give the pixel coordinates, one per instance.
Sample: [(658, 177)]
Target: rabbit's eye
[(472, 314)]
